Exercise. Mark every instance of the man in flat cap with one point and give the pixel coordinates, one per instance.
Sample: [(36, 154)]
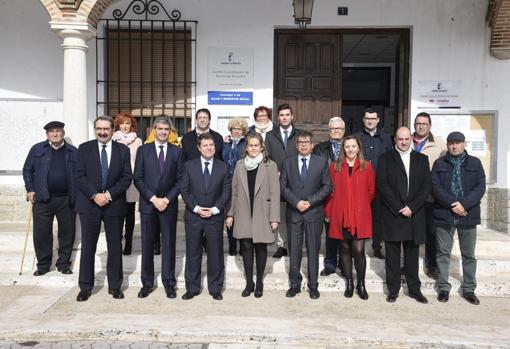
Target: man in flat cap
[(49, 178), (458, 183)]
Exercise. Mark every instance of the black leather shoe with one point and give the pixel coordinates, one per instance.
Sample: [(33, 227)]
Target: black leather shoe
[(189, 295), (443, 296), (259, 290), (361, 290), (292, 292), (378, 254), (471, 298), (116, 293), (217, 296), (83, 295), (40, 272), (326, 272), (232, 251), (248, 290), (349, 288), (391, 298), (170, 292), (280, 252), (65, 270), (432, 273), (145, 291), (127, 250), (419, 297), (314, 293)]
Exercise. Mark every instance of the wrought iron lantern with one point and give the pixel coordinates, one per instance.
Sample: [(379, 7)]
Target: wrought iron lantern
[(302, 12)]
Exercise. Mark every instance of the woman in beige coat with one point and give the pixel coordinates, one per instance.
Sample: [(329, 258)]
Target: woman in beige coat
[(255, 208)]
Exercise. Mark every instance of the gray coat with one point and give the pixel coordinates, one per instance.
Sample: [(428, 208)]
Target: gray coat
[(266, 203)]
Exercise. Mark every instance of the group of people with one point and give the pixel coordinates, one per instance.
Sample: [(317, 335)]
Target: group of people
[(265, 183)]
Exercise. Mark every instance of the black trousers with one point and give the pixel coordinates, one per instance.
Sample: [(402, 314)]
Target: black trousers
[(333, 251), (376, 223), (197, 231), (311, 234), (90, 229), (430, 245), (43, 214), (152, 225), (392, 261)]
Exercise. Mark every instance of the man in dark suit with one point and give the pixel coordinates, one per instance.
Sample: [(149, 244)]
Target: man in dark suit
[(404, 182), (189, 140), (205, 188), (330, 150), (281, 143), (158, 168), (305, 184), (103, 174)]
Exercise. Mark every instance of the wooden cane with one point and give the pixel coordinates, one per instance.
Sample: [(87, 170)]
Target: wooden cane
[(26, 237)]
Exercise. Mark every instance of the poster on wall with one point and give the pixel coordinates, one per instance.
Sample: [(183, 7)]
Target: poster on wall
[(439, 94), (230, 76)]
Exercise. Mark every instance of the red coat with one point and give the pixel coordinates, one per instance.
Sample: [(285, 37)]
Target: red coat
[(361, 186)]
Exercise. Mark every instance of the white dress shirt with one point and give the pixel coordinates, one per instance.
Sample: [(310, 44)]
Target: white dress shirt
[(108, 151), (289, 131), (300, 163), (215, 210)]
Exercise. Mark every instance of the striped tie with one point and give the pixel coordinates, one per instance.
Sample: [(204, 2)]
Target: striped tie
[(104, 167)]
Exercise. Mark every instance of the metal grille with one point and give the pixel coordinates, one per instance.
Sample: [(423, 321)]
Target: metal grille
[(146, 65)]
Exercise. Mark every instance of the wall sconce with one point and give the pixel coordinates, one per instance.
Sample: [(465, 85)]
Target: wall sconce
[(303, 12)]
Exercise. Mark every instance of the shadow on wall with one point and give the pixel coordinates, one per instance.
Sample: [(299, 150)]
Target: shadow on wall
[(495, 209)]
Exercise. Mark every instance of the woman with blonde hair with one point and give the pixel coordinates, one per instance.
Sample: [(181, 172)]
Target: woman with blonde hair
[(125, 133), (349, 212), (255, 209)]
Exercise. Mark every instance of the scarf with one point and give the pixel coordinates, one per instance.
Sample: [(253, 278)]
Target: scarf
[(349, 218), (457, 162), (124, 138), (405, 156), (233, 154), (263, 129), (252, 163)]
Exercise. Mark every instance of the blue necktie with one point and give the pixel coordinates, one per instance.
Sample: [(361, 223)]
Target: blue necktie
[(161, 159), (304, 170), (336, 150), (285, 138), (207, 175), (104, 167)]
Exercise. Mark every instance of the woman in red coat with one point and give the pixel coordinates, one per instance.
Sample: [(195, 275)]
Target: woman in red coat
[(348, 210)]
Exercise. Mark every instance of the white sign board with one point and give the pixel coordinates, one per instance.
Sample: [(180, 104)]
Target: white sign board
[(433, 94)]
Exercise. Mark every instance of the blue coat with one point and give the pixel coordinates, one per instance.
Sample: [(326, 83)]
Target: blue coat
[(473, 186), (36, 167), (231, 156), (374, 147)]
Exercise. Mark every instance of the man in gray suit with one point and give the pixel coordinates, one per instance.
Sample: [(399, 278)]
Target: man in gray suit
[(305, 184)]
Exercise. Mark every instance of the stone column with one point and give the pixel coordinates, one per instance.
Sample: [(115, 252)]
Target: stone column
[(75, 36)]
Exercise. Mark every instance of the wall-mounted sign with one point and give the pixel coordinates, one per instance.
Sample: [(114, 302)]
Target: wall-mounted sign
[(230, 75), (433, 94)]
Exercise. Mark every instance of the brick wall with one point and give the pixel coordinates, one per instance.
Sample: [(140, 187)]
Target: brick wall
[(84, 11), (498, 18)]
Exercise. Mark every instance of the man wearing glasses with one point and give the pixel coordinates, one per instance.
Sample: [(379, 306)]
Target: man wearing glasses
[(375, 143)]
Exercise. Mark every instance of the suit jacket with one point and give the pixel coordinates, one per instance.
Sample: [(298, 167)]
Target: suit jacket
[(266, 202), (324, 149), (194, 193), (275, 147), (315, 189), (150, 181), (190, 149), (88, 177), (392, 186)]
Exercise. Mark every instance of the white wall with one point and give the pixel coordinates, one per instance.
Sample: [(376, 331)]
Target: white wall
[(449, 42)]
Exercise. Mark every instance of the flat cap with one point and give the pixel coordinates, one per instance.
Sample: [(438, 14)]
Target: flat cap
[(456, 136), (54, 124)]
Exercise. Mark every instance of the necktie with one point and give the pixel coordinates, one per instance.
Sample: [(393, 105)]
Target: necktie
[(336, 150), (104, 167), (285, 138), (207, 175), (304, 170), (161, 159)]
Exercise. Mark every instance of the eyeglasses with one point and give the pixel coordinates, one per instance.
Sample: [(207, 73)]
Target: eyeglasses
[(337, 128), (303, 142), (103, 128)]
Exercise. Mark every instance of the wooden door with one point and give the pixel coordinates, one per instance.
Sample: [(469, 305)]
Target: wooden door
[(308, 77)]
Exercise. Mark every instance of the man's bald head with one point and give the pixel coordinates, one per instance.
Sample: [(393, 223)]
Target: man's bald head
[(403, 138)]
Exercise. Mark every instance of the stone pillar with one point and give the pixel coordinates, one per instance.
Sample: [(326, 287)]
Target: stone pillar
[(75, 36)]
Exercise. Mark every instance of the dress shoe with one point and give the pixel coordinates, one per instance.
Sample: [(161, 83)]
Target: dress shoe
[(217, 296), (170, 292), (83, 295), (232, 251), (40, 272), (116, 293), (432, 273), (292, 292), (419, 297), (349, 288), (378, 254), (443, 296), (391, 298), (314, 293), (280, 252), (65, 270), (145, 291), (471, 298), (127, 250), (157, 250), (327, 272), (248, 290), (361, 290), (189, 295), (259, 290)]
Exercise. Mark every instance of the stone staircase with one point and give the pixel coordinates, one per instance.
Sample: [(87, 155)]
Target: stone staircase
[(493, 270)]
